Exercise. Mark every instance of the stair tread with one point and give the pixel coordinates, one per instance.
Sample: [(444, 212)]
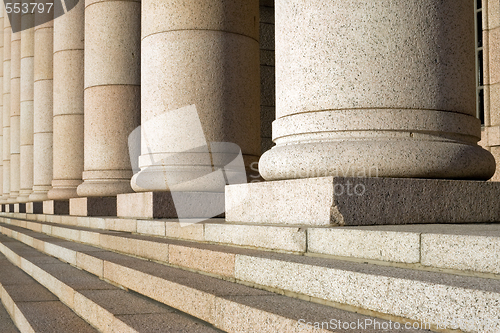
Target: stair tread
[(6, 323), (456, 248), (42, 310), (448, 279), (181, 283), (133, 308)]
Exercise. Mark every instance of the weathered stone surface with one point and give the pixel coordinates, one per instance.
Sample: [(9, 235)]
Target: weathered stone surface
[(363, 201), (93, 206), (368, 244), (372, 94), (56, 207), (170, 204)]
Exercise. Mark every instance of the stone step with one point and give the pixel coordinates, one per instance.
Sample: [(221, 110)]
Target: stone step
[(32, 306), (104, 306), (6, 323), (420, 295), (228, 306), (474, 248)]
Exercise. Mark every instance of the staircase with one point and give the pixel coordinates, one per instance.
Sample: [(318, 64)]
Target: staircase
[(89, 274)]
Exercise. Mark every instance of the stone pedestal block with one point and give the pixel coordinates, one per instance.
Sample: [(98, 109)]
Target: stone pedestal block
[(93, 206), (184, 205), (363, 201), (56, 207), (34, 207), (19, 208)]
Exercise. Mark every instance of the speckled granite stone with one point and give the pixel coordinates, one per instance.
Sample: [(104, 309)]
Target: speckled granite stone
[(373, 85), (363, 201)]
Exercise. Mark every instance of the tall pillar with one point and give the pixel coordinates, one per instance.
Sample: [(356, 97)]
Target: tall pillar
[(68, 103), (15, 107), (2, 13), (43, 106), (112, 94), (202, 53), (378, 88), (26, 119), (6, 108)]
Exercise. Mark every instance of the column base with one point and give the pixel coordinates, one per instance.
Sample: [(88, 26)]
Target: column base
[(399, 157), (40, 193), (63, 189), (93, 206), (104, 188), (363, 201), (14, 197), (24, 195), (56, 207), (181, 205)]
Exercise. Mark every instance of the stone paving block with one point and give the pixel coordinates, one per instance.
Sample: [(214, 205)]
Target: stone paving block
[(378, 245), (67, 255), (66, 233), (188, 300), (150, 227), (89, 237), (151, 250), (282, 238), (205, 260), (50, 317), (97, 223), (128, 225), (192, 231), (389, 292), (90, 263), (462, 252), (171, 322)]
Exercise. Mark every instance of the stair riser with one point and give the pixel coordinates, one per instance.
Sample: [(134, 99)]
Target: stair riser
[(16, 315), (201, 305), (425, 247), (105, 322), (393, 296)]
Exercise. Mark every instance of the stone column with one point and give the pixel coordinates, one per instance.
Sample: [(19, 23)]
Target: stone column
[(6, 108), (68, 103), (27, 84), (201, 53), (375, 88), (43, 106), (2, 13), (15, 107), (112, 94)]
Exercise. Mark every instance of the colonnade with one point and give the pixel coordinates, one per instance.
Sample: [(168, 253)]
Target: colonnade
[(360, 85)]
